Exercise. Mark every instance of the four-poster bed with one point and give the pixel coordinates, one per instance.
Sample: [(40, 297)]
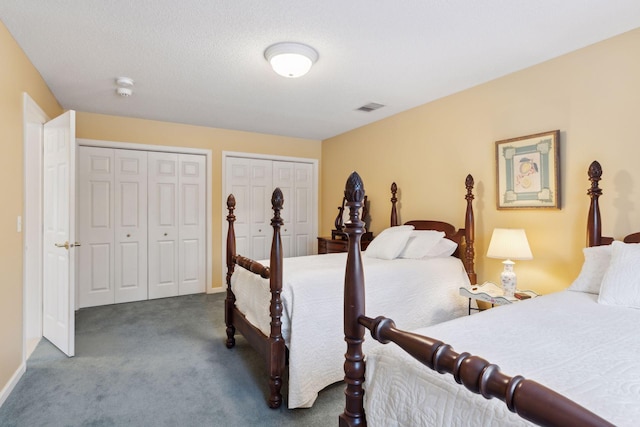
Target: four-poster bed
[(575, 341), (291, 309)]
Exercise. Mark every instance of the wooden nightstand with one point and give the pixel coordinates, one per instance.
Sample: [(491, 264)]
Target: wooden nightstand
[(327, 245), (491, 293)]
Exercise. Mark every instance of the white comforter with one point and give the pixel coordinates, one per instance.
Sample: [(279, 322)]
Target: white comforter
[(563, 341), (415, 293)]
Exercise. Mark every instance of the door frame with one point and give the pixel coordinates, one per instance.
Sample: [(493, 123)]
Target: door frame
[(225, 155), (208, 188), (32, 230)]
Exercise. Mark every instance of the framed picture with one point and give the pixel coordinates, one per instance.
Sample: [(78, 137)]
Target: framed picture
[(528, 170)]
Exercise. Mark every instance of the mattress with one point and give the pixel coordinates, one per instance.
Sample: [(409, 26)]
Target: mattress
[(565, 341), (417, 292)]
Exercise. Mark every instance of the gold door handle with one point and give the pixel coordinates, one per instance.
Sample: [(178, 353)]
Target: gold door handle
[(62, 245)]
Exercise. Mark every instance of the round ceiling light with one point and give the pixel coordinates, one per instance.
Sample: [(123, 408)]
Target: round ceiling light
[(291, 59)]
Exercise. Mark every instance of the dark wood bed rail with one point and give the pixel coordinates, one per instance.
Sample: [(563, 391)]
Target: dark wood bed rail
[(529, 399), (525, 397)]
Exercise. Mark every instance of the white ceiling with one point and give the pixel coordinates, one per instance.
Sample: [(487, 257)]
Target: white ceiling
[(201, 61)]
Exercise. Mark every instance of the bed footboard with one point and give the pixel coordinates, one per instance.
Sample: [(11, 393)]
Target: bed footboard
[(272, 347)]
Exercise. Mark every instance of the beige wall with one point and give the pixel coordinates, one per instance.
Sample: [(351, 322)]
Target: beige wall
[(17, 75), (122, 129), (591, 95)]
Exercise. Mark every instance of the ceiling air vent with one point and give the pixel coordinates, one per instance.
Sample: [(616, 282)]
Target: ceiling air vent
[(367, 108)]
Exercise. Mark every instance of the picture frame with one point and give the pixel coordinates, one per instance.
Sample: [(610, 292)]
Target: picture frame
[(528, 172)]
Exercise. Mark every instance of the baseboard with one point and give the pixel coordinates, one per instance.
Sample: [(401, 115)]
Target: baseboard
[(216, 290), (8, 388)]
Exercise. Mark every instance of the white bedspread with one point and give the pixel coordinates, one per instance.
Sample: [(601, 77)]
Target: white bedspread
[(415, 293), (563, 341)]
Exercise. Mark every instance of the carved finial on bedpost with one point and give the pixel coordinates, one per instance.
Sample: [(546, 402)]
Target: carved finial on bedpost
[(230, 300), (469, 231), (394, 200), (353, 414), (276, 342), (594, 225)]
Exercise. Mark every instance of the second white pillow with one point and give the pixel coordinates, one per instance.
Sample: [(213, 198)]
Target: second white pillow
[(420, 243)]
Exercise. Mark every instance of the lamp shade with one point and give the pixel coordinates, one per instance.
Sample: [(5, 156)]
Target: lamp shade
[(291, 59), (509, 243)]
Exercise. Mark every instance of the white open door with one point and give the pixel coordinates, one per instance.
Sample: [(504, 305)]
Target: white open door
[(59, 232)]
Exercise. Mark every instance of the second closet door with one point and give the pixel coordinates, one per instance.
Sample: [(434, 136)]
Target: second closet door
[(176, 224)]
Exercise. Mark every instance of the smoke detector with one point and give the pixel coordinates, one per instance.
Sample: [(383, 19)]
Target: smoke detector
[(124, 91), (125, 86)]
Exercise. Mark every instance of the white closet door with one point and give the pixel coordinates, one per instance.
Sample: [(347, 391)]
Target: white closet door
[(260, 211), (250, 181), (163, 224), (130, 185), (95, 209), (303, 209), (192, 199), (283, 178)]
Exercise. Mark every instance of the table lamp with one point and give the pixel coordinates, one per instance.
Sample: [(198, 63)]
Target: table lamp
[(509, 244)]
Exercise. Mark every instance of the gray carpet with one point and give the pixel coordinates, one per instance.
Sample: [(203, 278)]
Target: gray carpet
[(155, 363)]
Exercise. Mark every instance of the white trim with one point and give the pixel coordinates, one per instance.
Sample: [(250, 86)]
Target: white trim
[(8, 388), (208, 189), (225, 155), (31, 114)]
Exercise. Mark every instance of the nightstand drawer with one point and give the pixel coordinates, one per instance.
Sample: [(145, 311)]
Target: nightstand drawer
[(326, 245)]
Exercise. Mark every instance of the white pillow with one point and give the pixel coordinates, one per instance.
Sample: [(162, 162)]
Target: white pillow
[(596, 262), (442, 249), (420, 243), (390, 242), (621, 282)]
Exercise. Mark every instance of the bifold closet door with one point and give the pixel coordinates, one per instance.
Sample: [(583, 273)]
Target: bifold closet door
[(95, 217), (176, 194), (130, 206), (113, 226), (251, 183), (163, 224), (191, 222), (296, 182)]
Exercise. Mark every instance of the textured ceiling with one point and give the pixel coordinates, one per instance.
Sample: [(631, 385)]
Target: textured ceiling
[(201, 61)]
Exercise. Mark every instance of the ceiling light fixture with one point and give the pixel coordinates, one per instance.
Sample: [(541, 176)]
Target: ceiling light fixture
[(291, 59)]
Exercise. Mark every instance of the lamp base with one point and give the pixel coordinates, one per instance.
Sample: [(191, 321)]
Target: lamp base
[(508, 278)]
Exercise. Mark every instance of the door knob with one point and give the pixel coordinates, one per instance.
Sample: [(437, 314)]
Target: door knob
[(165, 234), (62, 245), (128, 235)]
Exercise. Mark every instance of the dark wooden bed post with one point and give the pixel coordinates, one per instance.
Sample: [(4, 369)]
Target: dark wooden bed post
[(594, 225), (469, 232), (394, 210), (276, 342), (230, 301), (354, 306)]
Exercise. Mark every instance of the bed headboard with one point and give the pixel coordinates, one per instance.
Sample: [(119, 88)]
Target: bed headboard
[(464, 237)]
